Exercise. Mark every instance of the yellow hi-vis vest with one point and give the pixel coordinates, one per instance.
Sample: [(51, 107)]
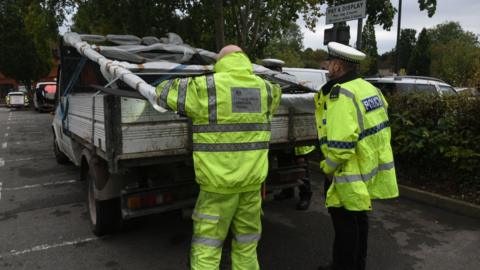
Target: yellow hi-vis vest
[(304, 150), (231, 112), (354, 135)]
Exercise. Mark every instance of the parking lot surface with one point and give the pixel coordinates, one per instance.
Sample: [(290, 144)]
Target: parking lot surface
[(44, 223)]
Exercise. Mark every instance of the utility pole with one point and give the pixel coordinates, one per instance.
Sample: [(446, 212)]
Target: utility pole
[(359, 34), (397, 55)]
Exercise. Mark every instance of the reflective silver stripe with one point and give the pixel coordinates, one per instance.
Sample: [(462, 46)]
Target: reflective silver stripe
[(247, 238), (204, 216), (229, 147), (364, 177), (182, 95), (269, 99), (230, 127), (348, 178), (212, 99), (164, 94), (359, 112), (331, 163), (207, 241)]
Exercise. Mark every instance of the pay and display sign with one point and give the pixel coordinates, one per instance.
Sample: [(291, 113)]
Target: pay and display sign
[(346, 12)]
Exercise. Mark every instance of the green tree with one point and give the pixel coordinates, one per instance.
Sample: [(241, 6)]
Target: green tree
[(252, 23), (406, 44), (387, 60), (456, 62), (248, 23), (455, 54), (142, 18), (314, 58), (419, 63), (448, 31), (369, 45), (28, 30), (287, 46)]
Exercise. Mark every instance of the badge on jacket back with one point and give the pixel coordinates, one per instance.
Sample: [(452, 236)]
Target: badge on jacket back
[(372, 103), (246, 100)]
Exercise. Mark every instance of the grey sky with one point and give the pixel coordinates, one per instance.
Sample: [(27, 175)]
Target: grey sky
[(466, 12)]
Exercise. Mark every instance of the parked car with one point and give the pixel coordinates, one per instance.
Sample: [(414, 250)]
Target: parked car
[(16, 99), (309, 77), (44, 97), (406, 84)]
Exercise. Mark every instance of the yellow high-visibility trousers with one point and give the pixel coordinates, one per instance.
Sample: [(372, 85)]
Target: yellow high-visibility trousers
[(212, 217)]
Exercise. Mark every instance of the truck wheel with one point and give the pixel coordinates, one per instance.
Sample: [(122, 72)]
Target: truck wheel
[(104, 215), (59, 156)]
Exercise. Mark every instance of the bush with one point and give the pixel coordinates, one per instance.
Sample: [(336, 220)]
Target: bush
[(436, 138)]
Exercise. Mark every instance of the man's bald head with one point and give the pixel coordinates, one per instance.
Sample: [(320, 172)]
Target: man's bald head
[(227, 50)]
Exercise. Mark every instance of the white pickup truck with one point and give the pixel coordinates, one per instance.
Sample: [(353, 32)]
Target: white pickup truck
[(136, 160)]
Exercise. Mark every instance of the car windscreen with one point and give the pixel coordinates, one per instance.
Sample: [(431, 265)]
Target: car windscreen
[(316, 79)]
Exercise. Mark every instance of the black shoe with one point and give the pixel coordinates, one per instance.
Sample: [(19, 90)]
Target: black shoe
[(303, 204)]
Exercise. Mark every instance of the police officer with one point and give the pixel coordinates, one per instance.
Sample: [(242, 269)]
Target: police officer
[(354, 134), (231, 112)]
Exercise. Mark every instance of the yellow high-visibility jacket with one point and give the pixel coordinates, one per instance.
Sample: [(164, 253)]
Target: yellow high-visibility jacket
[(354, 135), (304, 150), (231, 112)]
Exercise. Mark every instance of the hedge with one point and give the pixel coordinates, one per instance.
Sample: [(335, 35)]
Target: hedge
[(436, 138)]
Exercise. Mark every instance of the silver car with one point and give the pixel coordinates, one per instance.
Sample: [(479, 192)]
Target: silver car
[(407, 84)]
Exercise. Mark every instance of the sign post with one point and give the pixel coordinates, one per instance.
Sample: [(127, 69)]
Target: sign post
[(342, 13), (346, 12)]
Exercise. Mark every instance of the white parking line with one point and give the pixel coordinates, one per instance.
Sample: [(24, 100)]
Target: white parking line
[(42, 185), (2, 162), (1, 190), (4, 145), (32, 132), (29, 142), (8, 128), (47, 246), (6, 135), (29, 158)]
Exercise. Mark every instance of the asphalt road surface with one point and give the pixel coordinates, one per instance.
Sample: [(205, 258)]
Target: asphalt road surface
[(44, 224)]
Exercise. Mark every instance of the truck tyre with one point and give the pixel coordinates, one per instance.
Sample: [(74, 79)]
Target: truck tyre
[(59, 156), (105, 216)]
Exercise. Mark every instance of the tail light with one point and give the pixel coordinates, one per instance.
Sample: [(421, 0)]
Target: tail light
[(147, 200)]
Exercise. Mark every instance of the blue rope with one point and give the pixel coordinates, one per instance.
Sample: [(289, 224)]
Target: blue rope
[(71, 83), (166, 77)]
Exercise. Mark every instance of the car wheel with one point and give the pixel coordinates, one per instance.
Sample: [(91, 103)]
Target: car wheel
[(59, 156), (104, 215)]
